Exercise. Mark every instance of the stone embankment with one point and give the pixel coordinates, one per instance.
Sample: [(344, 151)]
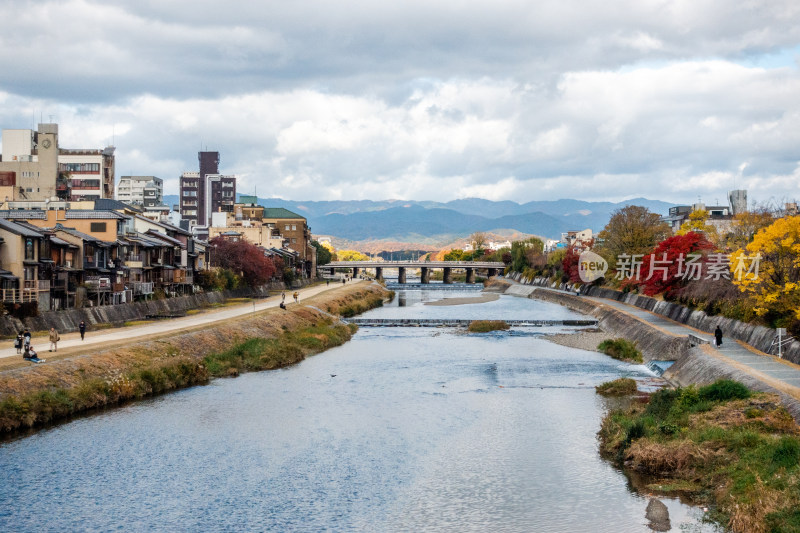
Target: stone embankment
[(692, 364), (68, 319)]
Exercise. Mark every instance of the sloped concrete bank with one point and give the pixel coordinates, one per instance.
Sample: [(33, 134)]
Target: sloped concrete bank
[(68, 319), (759, 337), (693, 365)]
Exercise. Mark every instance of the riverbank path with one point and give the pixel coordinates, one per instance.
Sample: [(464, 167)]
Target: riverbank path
[(99, 339), (778, 373)]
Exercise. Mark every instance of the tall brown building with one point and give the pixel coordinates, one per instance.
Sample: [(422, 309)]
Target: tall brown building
[(207, 191)]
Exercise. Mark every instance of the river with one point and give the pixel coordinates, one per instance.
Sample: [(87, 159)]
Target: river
[(401, 429)]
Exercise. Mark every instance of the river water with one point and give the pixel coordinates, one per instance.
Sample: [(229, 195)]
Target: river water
[(401, 429)]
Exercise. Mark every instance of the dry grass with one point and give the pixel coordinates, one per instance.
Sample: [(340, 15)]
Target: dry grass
[(132, 370)]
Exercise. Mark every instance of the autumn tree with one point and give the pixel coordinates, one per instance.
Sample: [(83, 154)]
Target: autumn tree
[(775, 286), (242, 258), (671, 263), (478, 241), (523, 251), (746, 225), (631, 230), (351, 255), (697, 222)]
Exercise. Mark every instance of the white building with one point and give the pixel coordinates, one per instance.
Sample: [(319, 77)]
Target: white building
[(146, 191)]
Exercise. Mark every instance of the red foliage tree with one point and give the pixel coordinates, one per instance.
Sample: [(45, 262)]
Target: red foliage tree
[(243, 258), (665, 268), (570, 264)]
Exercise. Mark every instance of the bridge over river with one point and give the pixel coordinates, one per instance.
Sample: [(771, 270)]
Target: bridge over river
[(448, 267)]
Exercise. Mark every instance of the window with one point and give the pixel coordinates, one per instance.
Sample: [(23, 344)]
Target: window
[(294, 227), (30, 251), (189, 193), (287, 227), (294, 241), (97, 227)]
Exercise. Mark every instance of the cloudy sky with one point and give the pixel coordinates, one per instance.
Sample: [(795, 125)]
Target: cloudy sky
[(428, 100)]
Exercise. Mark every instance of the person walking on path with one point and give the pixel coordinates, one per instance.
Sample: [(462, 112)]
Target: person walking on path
[(26, 338), (283, 297), (718, 337), (54, 338), (19, 342), (295, 297), (82, 328)]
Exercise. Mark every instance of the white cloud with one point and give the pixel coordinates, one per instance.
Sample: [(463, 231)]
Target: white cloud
[(505, 100)]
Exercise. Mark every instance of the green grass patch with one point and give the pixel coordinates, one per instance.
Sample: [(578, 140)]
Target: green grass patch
[(736, 450), (621, 349), (485, 326), (617, 387), (263, 354)]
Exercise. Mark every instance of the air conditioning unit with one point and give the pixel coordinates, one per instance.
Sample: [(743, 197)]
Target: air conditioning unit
[(68, 264)]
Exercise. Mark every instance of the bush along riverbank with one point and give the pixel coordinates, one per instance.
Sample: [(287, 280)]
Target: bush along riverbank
[(735, 450), (42, 394)]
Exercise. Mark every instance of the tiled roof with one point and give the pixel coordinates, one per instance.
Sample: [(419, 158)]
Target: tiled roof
[(280, 212), (18, 229), (93, 213), (23, 214), (107, 204)]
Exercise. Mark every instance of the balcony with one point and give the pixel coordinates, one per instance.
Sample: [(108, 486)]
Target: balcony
[(142, 287), (36, 285), (137, 260), (98, 284), (17, 296)]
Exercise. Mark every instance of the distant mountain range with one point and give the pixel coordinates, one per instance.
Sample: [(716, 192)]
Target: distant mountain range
[(436, 222)]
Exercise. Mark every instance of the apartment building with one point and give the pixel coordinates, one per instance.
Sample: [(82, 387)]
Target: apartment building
[(206, 191), (147, 191), (35, 167)]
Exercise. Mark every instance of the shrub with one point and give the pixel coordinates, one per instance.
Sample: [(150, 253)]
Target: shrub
[(484, 326), (617, 387), (621, 349), (724, 390)]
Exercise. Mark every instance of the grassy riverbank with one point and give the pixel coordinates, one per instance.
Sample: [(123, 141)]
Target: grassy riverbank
[(735, 450), (41, 394)]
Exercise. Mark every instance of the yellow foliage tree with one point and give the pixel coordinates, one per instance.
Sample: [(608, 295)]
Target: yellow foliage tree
[(351, 255), (775, 283), (698, 222)]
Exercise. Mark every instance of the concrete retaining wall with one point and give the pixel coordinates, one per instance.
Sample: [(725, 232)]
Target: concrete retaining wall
[(68, 320), (759, 337)]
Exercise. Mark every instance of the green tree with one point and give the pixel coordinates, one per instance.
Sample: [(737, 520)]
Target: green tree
[(522, 253), (323, 254), (631, 230), (454, 255)]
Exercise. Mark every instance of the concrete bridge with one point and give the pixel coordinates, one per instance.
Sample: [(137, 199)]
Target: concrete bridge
[(425, 267)]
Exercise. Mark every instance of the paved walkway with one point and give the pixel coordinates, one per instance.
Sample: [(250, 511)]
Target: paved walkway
[(743, 355), (98, 339)]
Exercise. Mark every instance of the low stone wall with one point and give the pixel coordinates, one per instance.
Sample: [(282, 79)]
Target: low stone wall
[(759, 337), (68, 319)]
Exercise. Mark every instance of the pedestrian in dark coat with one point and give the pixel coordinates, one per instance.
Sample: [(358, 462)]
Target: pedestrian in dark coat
[(82, 328), (26, 337), (19, 342), (718, 336)]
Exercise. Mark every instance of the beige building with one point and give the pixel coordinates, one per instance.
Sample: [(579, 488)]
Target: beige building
[(35, 168)]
